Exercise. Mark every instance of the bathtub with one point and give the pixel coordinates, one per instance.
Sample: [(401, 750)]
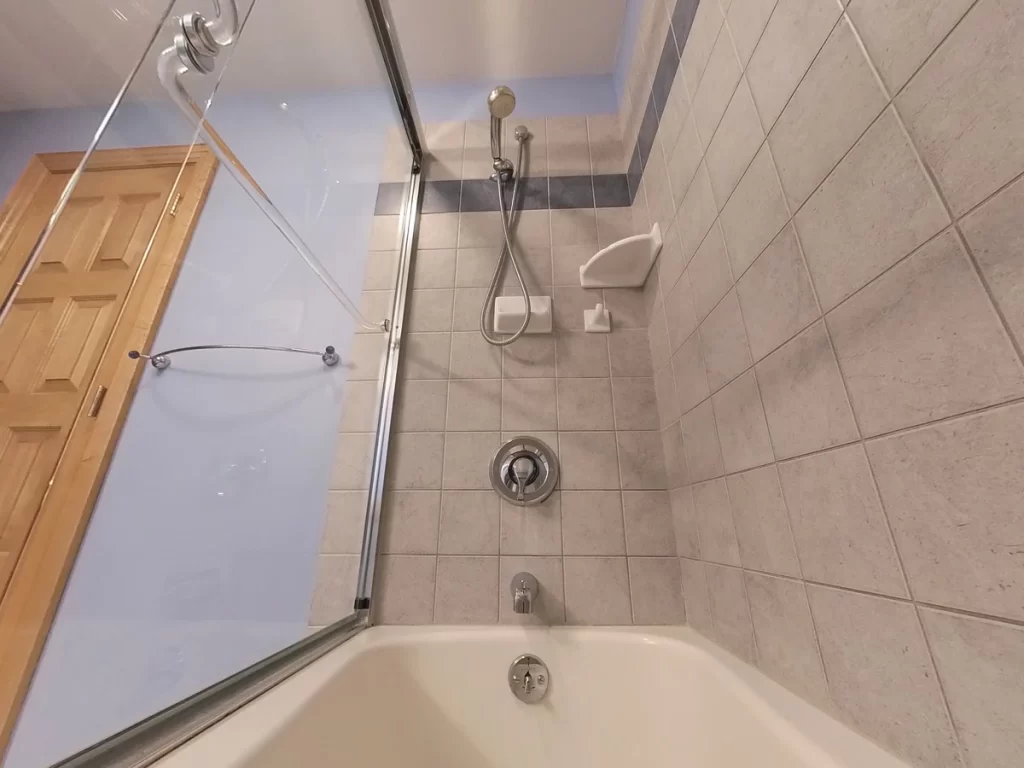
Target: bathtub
[(439, 696)]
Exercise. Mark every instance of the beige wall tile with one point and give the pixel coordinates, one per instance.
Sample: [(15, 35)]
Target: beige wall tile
[(568, 147), (700, 442), (464, 466), (474, 358), (723, 342), (630, 354), (549, 603), (477, 161), (433, 268), (676, 473), (747, 20), (533, 230), (592, 523), (528, 405), (787, 648), (795, 32), (876, 207), (995, 233), (684, 158), (709, 272), (635, 404), (605, 144), (409, 522), (479, 229), (567, 260), (648, 520), (351, 468), (628, 307), (880, 674), (585, 404), (474, 405), (366, 356), (466, 591), (670, 262), (421, 406), (899, 36), (469, 523), (641, 460), (776, 295), (343, 523), (762, 522), (614, 224), (836, 101), (716, 88), (691, 378), (528, 358), (597, 590), (963, 106), (381, 271), (660, 201), (695, 596), (384, 233), (535, 530), (729, 610), (667, 400), (655, 590), (536, 147), (581, 355), (953, 493), (735, 143), (981, 666), (573, 226), (803, 395), (922, 342), (415, 461), (335, 589), (679, 313), (446, 141), (715, 526), (755, 213), (684, 522), (404, 589), (588, 461), (838, 524), (425, 356), (742, 428), (467, 306), (697, 213), (703, 35), (359, 411), (437, 230)]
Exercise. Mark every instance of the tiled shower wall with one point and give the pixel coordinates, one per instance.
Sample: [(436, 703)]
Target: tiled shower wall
[(602, 547), (838, 315)]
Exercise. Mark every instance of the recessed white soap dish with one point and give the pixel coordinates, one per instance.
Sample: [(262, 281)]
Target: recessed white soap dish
[(623, 264)]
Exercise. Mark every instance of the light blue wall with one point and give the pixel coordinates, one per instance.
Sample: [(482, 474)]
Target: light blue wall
[(200, 555), (627, 43)]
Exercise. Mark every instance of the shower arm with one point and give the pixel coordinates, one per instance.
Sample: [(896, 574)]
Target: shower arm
[(170, 69)]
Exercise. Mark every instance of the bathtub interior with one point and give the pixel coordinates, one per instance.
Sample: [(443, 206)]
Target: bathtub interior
[(442, 699)]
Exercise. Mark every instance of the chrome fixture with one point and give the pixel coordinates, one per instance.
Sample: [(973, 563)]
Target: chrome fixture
[(500, 102), (162, 360), (524, 471), (528, 678), (524, 589)]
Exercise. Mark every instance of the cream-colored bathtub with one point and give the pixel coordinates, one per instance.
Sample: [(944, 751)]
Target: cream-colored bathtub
[(439, 696)]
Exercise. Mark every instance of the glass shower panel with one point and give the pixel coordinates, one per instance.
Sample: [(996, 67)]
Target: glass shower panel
[(229, 520)]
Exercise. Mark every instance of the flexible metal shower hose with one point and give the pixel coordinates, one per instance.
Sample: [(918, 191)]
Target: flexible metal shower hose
[(507, 252)]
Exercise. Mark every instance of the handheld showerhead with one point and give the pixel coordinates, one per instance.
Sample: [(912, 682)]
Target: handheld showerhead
[(500, 102)]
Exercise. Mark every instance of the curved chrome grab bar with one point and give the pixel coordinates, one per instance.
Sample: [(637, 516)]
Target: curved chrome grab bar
[(162, 360)]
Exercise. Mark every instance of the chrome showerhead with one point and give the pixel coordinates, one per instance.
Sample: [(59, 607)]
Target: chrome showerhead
[(501, 101)]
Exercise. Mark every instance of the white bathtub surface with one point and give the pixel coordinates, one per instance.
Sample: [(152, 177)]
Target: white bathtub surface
[(438, 696)]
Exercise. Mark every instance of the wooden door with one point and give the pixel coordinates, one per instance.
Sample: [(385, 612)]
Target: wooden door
[(96, 290)]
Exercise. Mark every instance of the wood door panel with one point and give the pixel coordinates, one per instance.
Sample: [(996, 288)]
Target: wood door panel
[(97, 290)]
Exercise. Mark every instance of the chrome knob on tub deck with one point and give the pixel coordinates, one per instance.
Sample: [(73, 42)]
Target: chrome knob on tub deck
[(528, 678)]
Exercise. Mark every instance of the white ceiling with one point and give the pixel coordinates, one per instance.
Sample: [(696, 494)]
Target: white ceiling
[(58, 53)]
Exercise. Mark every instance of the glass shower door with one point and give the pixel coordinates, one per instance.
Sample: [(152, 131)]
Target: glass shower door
[(227, 522)]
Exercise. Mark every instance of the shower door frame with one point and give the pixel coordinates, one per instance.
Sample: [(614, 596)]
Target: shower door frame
[(147, 741)]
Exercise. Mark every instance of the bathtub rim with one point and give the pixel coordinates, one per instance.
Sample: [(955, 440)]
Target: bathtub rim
[(812, 733)]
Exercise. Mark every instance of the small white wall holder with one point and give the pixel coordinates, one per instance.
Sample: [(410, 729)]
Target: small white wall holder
[(509, 312), (597, 320), (623, 264)]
